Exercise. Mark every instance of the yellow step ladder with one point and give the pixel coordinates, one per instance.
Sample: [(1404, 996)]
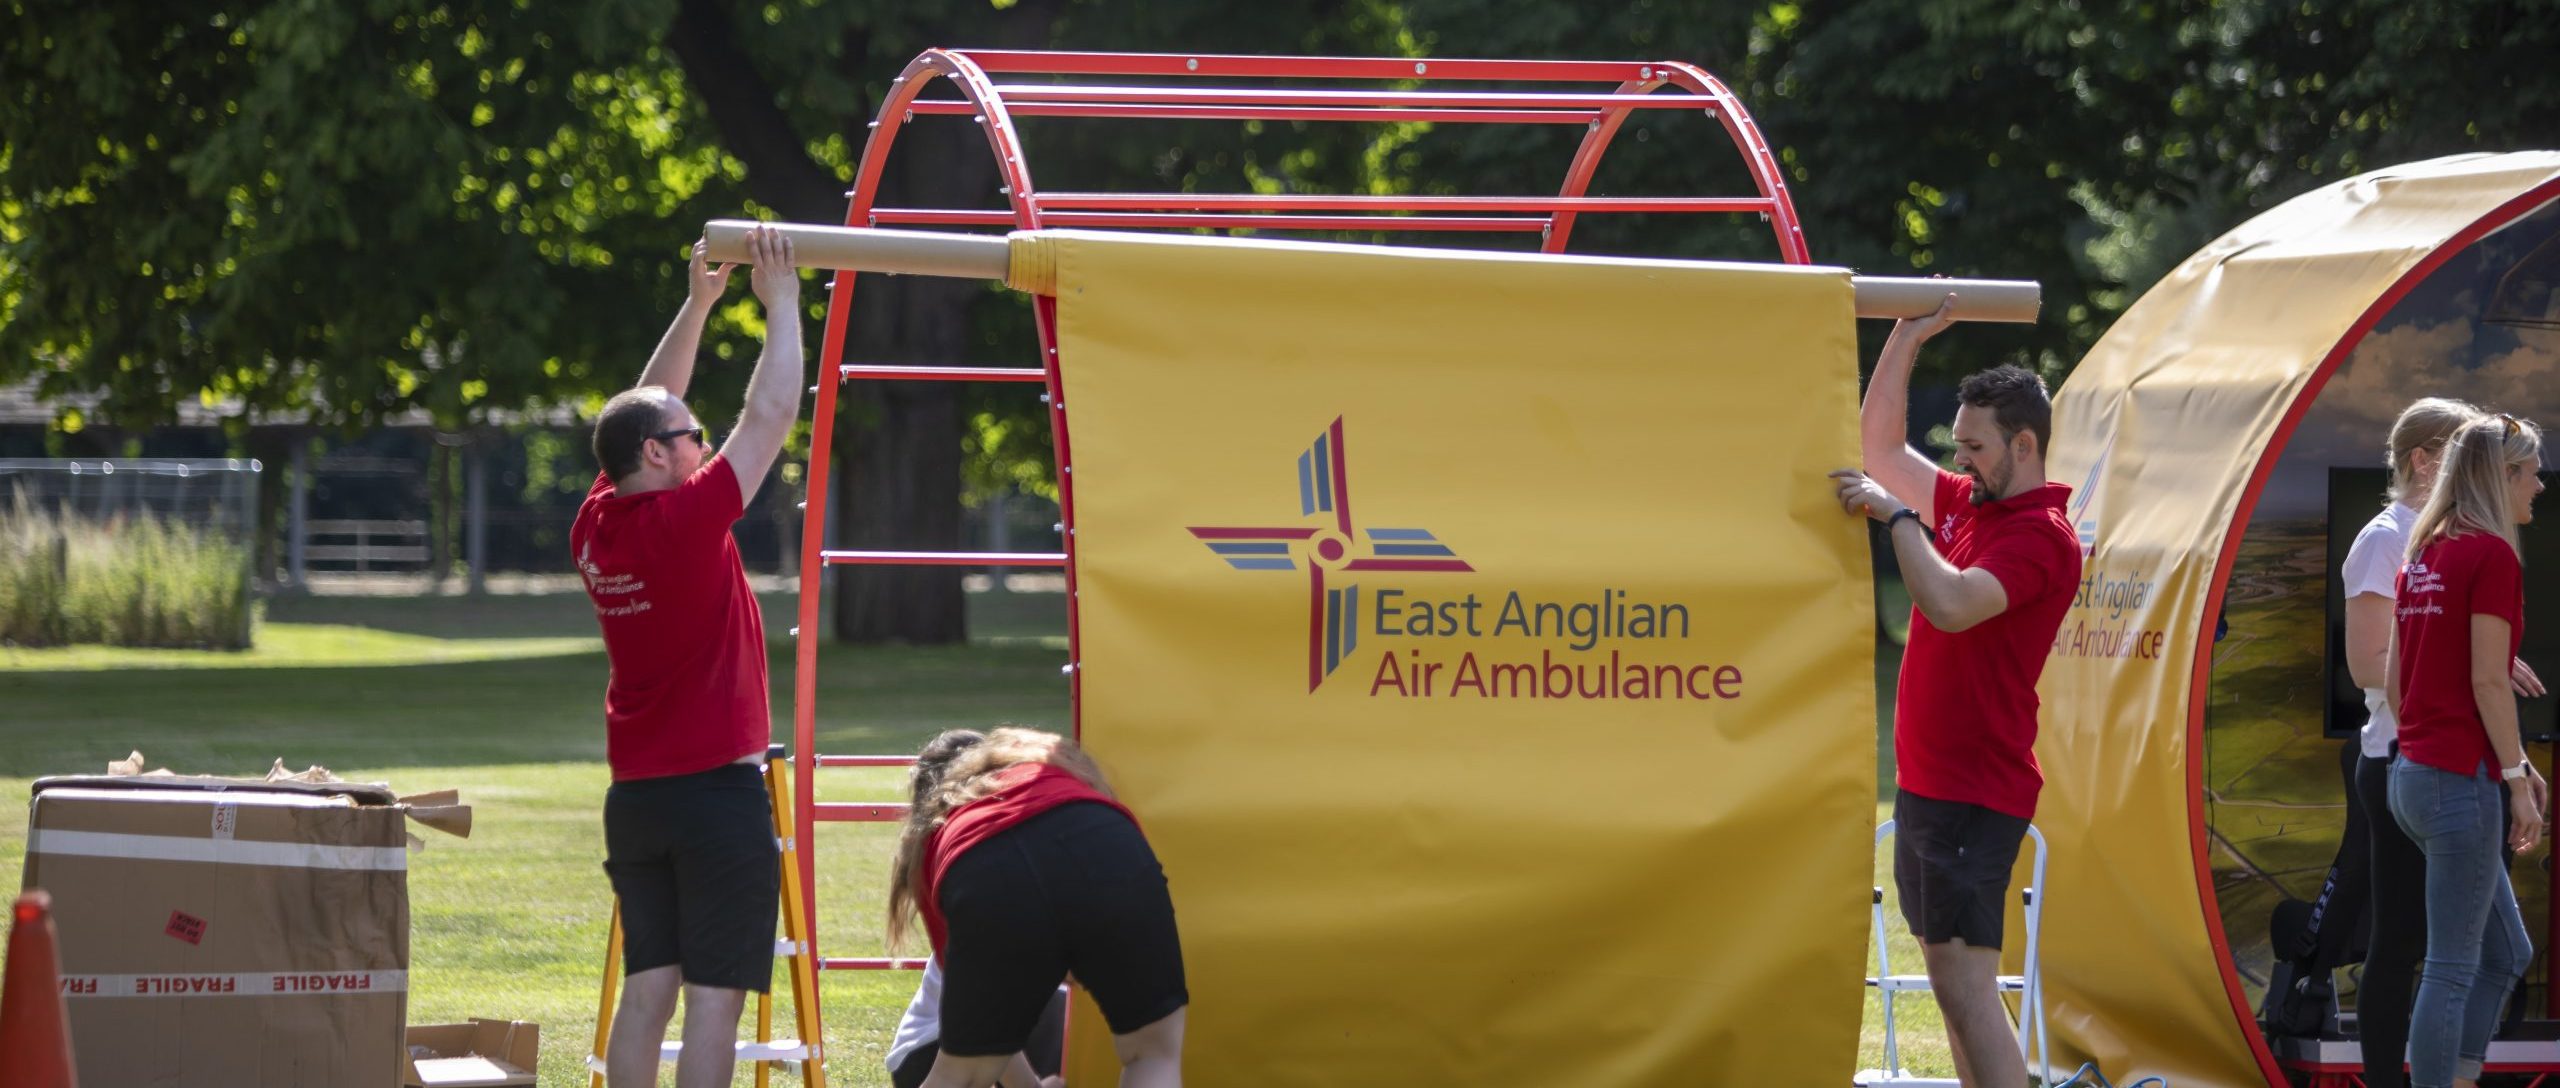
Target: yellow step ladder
[(806, 1054)]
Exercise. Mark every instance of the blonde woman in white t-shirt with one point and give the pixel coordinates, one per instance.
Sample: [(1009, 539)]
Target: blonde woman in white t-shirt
[(2397, 885)]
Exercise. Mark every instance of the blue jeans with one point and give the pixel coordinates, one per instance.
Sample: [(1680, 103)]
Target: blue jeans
[(2476, 943)]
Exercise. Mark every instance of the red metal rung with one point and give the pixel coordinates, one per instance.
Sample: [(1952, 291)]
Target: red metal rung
[(866, 761), (944, 559), (1237, 221), (1241, 96), (1218, 220), (1284, 202), (869, 963), (859, 373), (860, 812), (1204, 112), (957, 217), (1218, 65)]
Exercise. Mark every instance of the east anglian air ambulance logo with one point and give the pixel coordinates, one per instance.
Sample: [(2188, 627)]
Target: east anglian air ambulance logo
[(1324, 492)]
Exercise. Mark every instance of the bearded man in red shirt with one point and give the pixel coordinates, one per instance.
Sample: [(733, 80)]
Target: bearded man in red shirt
[(1992, 564), (688, 825)]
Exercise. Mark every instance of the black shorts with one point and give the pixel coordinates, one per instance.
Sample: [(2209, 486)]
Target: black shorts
[(698, 874), (1074, 890), (1951, 864)]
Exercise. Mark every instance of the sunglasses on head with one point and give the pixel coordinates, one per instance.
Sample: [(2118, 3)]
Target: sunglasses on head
[(701, 436)]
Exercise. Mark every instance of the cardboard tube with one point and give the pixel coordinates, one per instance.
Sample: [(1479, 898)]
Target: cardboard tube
[(992, 257), (863, 249), (1976, 300)]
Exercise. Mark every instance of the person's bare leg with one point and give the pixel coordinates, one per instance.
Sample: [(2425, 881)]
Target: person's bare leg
[(1965, 980), (639, 1026), (710, 1057), (950, 1071), (1955, 1048), (1151, 1057)]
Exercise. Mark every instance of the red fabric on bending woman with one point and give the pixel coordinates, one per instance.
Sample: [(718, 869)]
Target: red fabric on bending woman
[(1027, 871)]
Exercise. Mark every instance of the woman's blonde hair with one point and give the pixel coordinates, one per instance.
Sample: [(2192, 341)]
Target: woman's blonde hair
[(955, 768), (2427, 422), (2471, 486)]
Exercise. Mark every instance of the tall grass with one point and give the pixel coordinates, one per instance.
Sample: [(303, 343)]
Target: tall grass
[(135, 580)]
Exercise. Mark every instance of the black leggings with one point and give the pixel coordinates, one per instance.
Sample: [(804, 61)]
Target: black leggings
[(2398, 908), (2312, 940)]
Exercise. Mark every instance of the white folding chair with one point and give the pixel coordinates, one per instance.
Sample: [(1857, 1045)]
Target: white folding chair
[(2029, 987)]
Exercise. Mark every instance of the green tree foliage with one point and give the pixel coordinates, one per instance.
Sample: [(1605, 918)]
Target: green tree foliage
[(342, 211), (2088, 144)]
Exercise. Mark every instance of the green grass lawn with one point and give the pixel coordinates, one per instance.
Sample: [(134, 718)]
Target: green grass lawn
[(499, 697)]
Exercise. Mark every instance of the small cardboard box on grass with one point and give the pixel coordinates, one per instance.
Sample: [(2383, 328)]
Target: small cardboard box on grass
[(473, 1055), (230, 931)]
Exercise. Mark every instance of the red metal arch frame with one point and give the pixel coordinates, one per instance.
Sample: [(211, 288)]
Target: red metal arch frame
[(995, 106)]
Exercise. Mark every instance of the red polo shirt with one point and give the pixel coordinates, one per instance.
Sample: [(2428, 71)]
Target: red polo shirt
[(1964, 719), (681, 629), (2449, 581), (1022, 791)]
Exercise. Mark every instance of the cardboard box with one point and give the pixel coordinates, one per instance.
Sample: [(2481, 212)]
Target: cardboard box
[(482, 1052), (227, 932)]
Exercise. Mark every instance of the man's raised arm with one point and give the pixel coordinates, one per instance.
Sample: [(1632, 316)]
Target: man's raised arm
[(671, 366), (1884, 417), (773, 392), (1952, 599)]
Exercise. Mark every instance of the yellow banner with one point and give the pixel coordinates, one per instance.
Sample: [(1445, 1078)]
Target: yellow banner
[(1482, 648)]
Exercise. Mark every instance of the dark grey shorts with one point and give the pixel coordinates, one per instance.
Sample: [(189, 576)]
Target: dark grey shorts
[(1951, 863), (697, 873)]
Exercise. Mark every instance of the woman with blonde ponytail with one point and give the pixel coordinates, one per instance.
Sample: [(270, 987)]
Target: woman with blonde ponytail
[(2377, 862), (1024, 870), (2461, 770)]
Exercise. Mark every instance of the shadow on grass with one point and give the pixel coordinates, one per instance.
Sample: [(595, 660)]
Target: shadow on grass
[(222, 720), (530, 710), (236, 721), (1000, 617)]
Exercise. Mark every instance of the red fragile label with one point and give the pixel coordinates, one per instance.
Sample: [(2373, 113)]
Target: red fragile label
[(185, 927)]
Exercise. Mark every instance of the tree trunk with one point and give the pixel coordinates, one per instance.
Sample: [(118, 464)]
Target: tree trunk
[(439, 510), (898, 467), (898, 484), (269, 541)]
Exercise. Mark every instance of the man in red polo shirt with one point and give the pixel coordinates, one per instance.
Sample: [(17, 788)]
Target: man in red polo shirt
[(1988, 593), (688, 826)]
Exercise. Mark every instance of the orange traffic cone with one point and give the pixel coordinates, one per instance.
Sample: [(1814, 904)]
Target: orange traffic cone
[(35, 1036)]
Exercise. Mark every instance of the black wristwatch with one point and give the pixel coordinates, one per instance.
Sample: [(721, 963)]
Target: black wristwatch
[(1898, 515)]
